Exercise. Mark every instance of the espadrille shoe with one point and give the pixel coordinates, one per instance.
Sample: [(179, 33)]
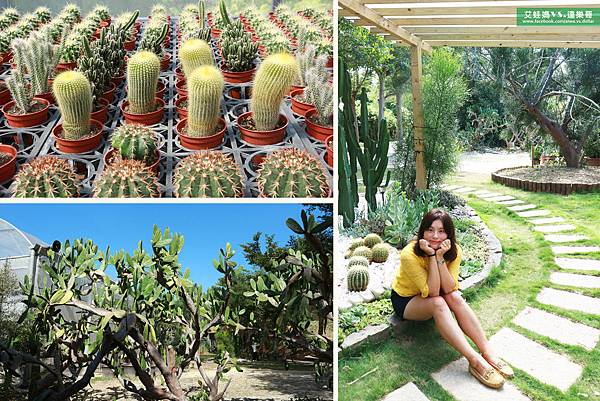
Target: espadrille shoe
[(503, 368), (490, 378)]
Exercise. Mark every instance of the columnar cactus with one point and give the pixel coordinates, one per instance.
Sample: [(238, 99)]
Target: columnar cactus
[(239, 52), (143, 69), (126, 179), (205, 88), (372, 239), (135, 141), (94, 66), (358, 278), (319, 91), (363, 251), (380, 252), (74, 96), (153, 39), (46, 177), (292, 173), (193, 54), (271, 83), (358, 261), (208, 175)]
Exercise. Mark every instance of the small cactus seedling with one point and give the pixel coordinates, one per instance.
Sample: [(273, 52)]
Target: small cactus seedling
[(143, 70), (292, 173), (205, 88), (135, 141), (74, 96), (358, 261), (380, 252), (372, 239), (358, 278), (46, 177), (126, 179), (363, 251), (208, 175), (193, 54)]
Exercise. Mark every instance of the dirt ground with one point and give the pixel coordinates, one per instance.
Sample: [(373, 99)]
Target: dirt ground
[(587, 175)]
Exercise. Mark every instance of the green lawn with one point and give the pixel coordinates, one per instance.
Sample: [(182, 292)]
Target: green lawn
[(525, 268)]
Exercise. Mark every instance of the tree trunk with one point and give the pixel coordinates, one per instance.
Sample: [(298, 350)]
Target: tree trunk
[(400, 133), (381, 96)]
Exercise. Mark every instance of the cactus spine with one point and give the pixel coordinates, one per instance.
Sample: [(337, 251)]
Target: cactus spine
[(208, 175), (272, 81), (135, 141), (372, 239), (193, 54), (358, 261), (358, 278), (143, 69), (363, 251), (126, 179), (205, 88), (74, 96), (380, 252), (46, 177)]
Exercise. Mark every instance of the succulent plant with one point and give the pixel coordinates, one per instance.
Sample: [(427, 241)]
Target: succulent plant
[(193, 54), (239, 52), (94, 67), (319, 92), (356, 243), (143, 70), (153, 39), (271, 83), (292, 173), (358, 278), (71, 49), (205, 88), (102, 12), (9, 16), (42, 14), (73, 11), (135, 141), (358, 261), (74, 97), (208, 175), (46, 177), (126, 179), (363, 251), (192, 29), (380, 252), (372, 239)]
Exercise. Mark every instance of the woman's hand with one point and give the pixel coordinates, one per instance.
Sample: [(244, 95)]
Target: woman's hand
[(444, 247), (425, 247)]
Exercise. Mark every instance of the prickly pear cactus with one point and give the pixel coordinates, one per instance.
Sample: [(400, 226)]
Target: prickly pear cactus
[(271, 83), (135, 141), (205, 89), (208, 175), (193, 54), (143, 69), (358, 261), (74, 96), (126, 179), (292, 173), (380, 252), (372, 239), (358, 278), (363, 251), (46, 177)]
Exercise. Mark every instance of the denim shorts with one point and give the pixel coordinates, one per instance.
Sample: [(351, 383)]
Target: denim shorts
[(399, 303)]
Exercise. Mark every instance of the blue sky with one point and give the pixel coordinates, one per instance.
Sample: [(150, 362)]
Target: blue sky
[(206, 227)]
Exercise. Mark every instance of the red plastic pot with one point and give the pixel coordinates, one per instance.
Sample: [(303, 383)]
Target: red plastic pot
[(295, 87), (109, 95), (8, 169), (216, 33), (329, 62), (60, 67), (29, 119), (298, 106), (118, 79), (262, 137), (49, 96), (108, 157), (329, 151), (5, 57), (238, 77), (5, 97), (165, 61), (101, 114), (146, 119), (181, 110), (130, 44), (179, 73), (236, 93), (160, 89), (181, 89), (79, 145), (203, 142), (317, 131)]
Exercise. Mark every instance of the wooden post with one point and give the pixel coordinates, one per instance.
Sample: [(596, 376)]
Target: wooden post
[(416, 67)]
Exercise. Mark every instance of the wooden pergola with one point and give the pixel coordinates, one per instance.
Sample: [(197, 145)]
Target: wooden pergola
[(425, 24)]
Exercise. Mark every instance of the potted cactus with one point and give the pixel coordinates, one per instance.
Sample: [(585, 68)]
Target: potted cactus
[(94, 67), (137, 142), (4, 93), (153, 40), (78, 133), (263, 124), (329, 151), (203, 128), (46, 177), (291, 173), (142, 105), (8, 162), (307, 62), (191, 179), (319, 120), (193, 54), (239, 54), (126, 178), (71, 50)]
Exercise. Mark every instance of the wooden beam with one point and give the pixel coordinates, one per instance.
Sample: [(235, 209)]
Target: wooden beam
[(571, 37), (416, 71), (486, 3), (424, 11), (515, 43), (512, 30), (381, 22), (457, 20)]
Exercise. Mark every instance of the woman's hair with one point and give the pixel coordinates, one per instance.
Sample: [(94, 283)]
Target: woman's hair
[(428, 219)]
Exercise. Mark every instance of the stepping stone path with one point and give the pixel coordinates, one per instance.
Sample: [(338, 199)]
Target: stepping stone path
[(565, 237), (464, 190), (557, 250), (578, 264), (547, 220), (554, 229), (569, 300), (534, 213), (408, 392), (501, 198), (520, 208), (511, 202), (575, 280)]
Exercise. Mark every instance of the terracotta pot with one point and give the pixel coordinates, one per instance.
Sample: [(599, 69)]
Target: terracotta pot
[(146, 119), (154, 166), (179, 73), (165, 61), (262, 137), (118, 79), (180, 110), (60, 67), (49, 96), (592, 161), (105, 22), (238, 77), (203, 142), (329, 62), (26, 120), (181, 89), (5, 97), (160, 89), (236, 93), (317, 131), (295, 87), (8, 169), (5, 57), (130, 44), (101, 114), (79, 145), (109, 95), (329, 152), (298, 106), (216, 33)]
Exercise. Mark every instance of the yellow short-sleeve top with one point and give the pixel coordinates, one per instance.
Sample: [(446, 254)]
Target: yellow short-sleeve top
[(411, 278)]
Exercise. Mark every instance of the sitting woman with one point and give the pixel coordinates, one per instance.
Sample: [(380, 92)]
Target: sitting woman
[(426, 286)]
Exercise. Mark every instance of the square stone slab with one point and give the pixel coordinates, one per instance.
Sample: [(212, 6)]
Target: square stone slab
[(558, 249), (547, 220), (482, 192), (578, 264), (450, 187), (464, 190), (558, 328), (575, 280), (500, 198), (489, 195), (511, 202), (569, 300), (551, 228), (536, 360), (534, 213), (456, 379), (520, 208), (408, 392), (564, 237)]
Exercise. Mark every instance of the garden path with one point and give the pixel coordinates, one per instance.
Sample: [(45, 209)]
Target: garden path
[(525, 354)]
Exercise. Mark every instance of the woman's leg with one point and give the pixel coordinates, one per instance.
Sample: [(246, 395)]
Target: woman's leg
[(420, 308)]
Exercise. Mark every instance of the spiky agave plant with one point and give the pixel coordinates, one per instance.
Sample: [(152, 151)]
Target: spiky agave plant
[(208, 175), (46, 177)]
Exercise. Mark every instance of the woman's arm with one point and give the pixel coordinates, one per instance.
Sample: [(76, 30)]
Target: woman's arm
[(447, 282), (433, 276)]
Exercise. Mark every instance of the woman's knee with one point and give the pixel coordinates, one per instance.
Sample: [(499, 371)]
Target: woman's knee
[(453, 299), (438, 305)]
